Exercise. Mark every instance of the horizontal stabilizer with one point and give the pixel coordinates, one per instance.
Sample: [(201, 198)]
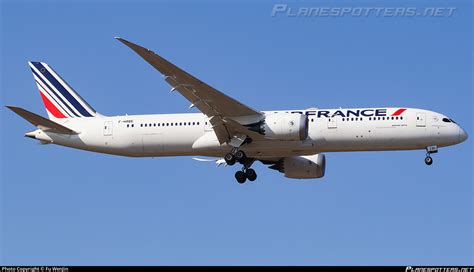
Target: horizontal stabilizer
[(41, 122)]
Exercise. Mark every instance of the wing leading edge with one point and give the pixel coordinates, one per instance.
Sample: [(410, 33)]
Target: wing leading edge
[(220, 108)]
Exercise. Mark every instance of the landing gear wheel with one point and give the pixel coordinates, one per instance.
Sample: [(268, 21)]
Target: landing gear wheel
[(240, 177), (229, 159), (240, 156), (428, 160), (251, 175)]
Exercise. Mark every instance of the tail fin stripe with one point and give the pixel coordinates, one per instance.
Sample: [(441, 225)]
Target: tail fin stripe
[(51, 107), (71, 95), (52, 93), (47, 94), (70, 90), (62, 90)]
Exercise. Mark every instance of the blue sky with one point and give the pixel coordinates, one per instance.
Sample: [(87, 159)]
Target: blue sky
[(64, 206)]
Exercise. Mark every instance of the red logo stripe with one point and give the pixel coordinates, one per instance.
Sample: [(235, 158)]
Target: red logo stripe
[(51, 107), (398, 112)]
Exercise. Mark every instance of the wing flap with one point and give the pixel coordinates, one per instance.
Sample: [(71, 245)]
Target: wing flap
[(236, 128), (220, 129), (226, 129)]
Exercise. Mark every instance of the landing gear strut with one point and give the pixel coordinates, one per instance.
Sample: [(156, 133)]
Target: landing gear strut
[(237, 155), (430, 150), (246, 173)]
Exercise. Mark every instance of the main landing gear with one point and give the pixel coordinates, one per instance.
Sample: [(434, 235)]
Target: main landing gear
[(430, 150), (237, 155), (234, 156), (242, 176)]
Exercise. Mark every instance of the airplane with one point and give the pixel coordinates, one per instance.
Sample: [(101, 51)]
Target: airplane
[(292, 142)]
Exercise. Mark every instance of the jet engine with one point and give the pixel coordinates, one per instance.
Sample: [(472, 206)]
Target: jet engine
[(302, 167), (283, 126)]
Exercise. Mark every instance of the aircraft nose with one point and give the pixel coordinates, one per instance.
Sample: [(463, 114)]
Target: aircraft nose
[(462, 135)]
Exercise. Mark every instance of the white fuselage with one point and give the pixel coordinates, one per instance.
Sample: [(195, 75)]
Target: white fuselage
[(192, 134)]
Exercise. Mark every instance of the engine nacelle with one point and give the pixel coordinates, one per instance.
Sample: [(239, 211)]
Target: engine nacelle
[(285, 126), (302, 167)]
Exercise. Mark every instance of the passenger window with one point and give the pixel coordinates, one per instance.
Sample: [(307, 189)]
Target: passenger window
[(352, 119), (197, 123), (132, 125)]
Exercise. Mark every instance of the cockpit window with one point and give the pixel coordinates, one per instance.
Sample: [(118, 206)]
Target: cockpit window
[(452, 121), (446, 120)]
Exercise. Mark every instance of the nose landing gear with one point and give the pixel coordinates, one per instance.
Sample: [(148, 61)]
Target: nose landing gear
[(430, 150)]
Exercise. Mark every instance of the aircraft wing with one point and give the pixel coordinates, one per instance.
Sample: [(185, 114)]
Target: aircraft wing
[(208, 100)]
